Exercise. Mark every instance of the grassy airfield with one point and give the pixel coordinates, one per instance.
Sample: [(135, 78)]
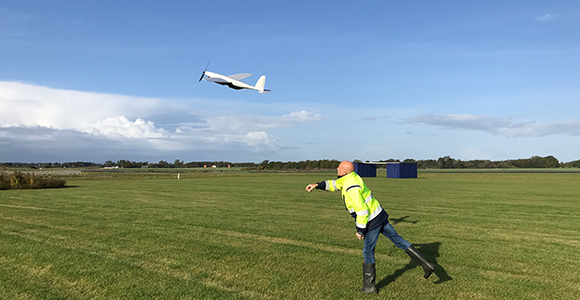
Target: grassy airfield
[(243, 235)]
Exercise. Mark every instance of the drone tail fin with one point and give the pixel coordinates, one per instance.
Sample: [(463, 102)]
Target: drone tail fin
[(260, 85)]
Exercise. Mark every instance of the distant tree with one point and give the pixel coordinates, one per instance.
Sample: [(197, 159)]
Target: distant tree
[(445, 162), (427, 164), (572, 164), (178, 164), (162, 164), (487, 164), (535, 162), (503, 165), (457, 164), (264, 165), (551, 162)]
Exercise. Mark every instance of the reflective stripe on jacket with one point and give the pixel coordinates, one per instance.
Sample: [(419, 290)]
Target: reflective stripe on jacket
[(359, 202)]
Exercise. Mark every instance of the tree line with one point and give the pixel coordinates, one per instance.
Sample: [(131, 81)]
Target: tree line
[(535, 162), (445, 162)]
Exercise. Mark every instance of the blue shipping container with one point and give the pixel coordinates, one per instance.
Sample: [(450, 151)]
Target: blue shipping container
[(401, 170), (365, 170)]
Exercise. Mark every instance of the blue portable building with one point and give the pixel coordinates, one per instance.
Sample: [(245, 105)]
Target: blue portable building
[(401, 170), (365, 170)]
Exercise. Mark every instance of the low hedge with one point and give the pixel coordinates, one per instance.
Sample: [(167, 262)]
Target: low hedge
[(19, 180)]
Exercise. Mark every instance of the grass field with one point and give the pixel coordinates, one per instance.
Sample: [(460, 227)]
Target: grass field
[(261, 236)]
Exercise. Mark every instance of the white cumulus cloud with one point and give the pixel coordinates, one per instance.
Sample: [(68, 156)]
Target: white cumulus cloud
[(120, 126), (24, 104)]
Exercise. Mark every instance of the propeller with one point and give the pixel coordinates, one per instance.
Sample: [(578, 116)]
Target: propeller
[(203, 74)]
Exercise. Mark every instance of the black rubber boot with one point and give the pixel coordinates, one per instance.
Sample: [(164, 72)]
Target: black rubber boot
[(369, 274), (420, 260)]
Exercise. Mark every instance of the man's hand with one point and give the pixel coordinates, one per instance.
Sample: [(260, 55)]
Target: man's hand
[(311, 186), (359, 236)]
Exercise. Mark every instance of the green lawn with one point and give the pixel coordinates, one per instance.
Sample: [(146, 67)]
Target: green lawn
[(261, 236)]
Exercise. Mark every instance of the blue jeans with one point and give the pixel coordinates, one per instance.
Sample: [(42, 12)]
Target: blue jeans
[(371, 241)]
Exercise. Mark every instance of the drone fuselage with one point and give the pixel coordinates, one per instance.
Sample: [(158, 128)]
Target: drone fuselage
[(233, 81)]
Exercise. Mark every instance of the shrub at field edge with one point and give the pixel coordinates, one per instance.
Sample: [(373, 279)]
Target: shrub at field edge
[(19, 180)]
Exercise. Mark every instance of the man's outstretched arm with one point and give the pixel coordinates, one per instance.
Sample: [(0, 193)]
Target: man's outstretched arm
[(320, 186)]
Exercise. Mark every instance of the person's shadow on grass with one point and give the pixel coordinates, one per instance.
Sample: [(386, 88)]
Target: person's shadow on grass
[(431, 252), (394, 221)]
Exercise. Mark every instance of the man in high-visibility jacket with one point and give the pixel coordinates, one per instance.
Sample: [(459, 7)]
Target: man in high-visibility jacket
[(370, 219)]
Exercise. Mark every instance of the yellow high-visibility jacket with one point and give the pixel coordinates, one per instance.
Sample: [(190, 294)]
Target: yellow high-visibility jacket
[(358, 200)]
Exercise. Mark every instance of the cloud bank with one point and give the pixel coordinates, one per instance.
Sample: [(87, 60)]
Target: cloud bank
[(37, 119)]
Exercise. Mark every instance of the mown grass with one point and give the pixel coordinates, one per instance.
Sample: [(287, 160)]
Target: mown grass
[(261, 236)]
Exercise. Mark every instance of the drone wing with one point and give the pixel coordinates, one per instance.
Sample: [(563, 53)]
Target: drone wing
[(240, 76), (216, 80)]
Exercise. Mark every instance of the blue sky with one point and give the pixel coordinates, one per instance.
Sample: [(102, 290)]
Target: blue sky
[(110, 80)]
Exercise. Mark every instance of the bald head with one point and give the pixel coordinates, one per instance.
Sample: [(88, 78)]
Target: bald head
[(344, 168)]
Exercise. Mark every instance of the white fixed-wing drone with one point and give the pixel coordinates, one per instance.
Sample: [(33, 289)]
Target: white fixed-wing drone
[(233, 81)]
